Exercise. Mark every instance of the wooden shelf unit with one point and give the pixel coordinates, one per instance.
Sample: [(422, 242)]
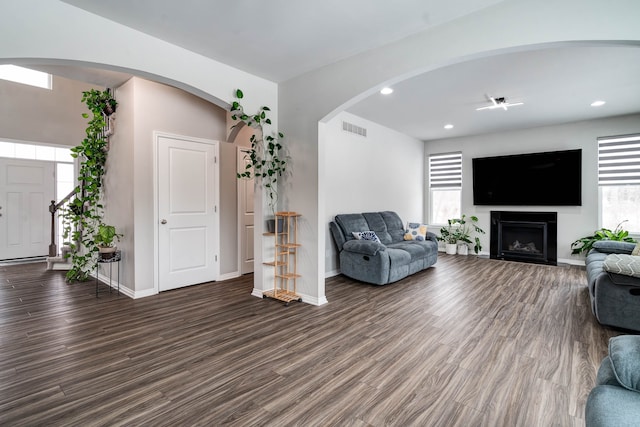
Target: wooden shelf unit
[(285, 263)]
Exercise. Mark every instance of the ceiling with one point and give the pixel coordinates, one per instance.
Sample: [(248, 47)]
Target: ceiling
[(281, 39)]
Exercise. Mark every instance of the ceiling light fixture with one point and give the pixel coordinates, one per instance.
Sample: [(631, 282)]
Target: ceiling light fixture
[(448, 126), (499, 103), (598, 103), (386, 91)]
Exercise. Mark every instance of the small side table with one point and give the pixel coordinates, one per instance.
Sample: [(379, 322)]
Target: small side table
[(117, 256)]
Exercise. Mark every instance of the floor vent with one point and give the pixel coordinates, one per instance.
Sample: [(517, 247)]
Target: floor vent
[(350, 127)]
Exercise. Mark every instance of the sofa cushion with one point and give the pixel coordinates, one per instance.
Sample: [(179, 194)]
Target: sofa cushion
[(628, 265), (416, 251), (415, 231), (350, 223), (614, 247), (624, 352), (377, 223)]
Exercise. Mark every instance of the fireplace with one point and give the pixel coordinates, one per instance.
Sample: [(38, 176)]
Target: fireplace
[(524, 236)]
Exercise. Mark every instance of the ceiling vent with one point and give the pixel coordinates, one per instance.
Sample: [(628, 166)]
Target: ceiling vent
[(351, 128)]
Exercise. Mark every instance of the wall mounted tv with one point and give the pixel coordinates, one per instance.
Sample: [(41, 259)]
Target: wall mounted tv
[(535, 179)]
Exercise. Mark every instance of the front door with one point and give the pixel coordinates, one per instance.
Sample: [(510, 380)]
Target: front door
[(187, 177), (26, 190)]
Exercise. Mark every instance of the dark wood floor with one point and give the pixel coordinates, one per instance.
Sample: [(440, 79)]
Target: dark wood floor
[(470, 342)]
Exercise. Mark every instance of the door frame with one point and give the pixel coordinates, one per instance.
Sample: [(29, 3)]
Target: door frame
[(156, 218)]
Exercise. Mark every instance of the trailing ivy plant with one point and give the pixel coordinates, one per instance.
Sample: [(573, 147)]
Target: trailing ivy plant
[(267, 160), (84, 213)]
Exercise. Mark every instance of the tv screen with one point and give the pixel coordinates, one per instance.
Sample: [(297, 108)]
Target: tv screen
[(536, 179)]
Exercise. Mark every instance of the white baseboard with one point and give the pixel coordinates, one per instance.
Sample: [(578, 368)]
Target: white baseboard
[(305, 298), (229, 276), (331, 273)]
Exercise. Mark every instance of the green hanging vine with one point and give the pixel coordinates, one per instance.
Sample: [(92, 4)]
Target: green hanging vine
[(84, 213), (267, 159)]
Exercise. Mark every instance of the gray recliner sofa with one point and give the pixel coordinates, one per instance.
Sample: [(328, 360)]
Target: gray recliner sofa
[(615, 298), (615, 400), (380, 263)]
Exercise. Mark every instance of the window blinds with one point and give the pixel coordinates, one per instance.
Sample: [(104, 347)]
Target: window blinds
[(619, 160), (445, 170)]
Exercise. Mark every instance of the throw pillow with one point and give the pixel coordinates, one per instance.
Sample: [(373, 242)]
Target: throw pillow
[(415, 231), (628, 265), (366, 235), (636, 250)]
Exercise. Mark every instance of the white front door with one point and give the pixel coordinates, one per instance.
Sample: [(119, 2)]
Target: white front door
[(188, 219), (26, 190), (245, 208)]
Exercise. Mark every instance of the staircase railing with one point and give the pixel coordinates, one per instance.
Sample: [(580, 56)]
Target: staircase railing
[(53, 208)]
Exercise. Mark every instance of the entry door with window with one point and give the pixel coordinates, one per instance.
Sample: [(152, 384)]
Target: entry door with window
[(26, 190), (187, 179)]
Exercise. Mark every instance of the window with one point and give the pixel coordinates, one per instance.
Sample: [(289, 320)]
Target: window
[(445, 187), (619, 181), (25, 76)]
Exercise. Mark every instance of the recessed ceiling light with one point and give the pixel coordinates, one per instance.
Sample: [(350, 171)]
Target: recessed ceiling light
[(448, 126), (386, 91), (598, 103)]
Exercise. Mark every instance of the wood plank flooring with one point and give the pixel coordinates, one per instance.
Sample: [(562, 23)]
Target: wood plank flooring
[(470, 342)]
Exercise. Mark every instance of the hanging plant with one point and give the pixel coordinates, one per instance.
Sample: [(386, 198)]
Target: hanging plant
[(84, 214), (267, 160)]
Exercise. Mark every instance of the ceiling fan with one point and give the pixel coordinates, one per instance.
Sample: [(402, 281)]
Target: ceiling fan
[(499, 103)]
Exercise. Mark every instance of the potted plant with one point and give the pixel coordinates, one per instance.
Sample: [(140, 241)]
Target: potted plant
[(105, 240), (449, 235), (266, 158), (100, 101), (457, 235), (466, 229), (584, 244)]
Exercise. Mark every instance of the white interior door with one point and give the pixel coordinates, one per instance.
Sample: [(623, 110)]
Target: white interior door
[(245, 209), (26, 190), (188, 236)]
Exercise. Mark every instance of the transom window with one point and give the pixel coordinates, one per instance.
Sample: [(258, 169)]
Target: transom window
[(25, 76), (619, 182)]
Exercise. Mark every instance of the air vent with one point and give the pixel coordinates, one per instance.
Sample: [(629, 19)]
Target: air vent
[(350, 127)]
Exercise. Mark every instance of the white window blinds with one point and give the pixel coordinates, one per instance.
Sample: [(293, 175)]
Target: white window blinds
[(619, 160), (445, 170)]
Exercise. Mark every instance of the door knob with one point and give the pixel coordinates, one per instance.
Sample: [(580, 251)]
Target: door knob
[(164, 221)]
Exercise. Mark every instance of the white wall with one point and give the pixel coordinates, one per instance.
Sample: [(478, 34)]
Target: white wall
[(573, 221), (35, 114), (381, 172), (145, 107)]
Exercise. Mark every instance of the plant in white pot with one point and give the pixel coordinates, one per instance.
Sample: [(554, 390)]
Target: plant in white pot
[(449, 235), (105, 240), (458, 234)]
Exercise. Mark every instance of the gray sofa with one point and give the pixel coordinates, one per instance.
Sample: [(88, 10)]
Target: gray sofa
[(615, 400), (615, 298), (380, 263)]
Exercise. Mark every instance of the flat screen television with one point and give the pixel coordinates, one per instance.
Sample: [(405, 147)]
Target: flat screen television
[(536, 179)]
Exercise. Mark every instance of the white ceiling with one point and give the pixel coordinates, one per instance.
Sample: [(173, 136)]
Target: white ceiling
[(280, 39)]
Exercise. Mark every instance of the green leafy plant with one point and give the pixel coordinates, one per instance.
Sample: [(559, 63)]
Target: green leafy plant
[(84, 213), (106, 236), (584, 244), (462, 230), (267, 160)]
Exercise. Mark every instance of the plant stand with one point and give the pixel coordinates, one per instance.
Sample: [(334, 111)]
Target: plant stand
[(113, 257), (285, 260)]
